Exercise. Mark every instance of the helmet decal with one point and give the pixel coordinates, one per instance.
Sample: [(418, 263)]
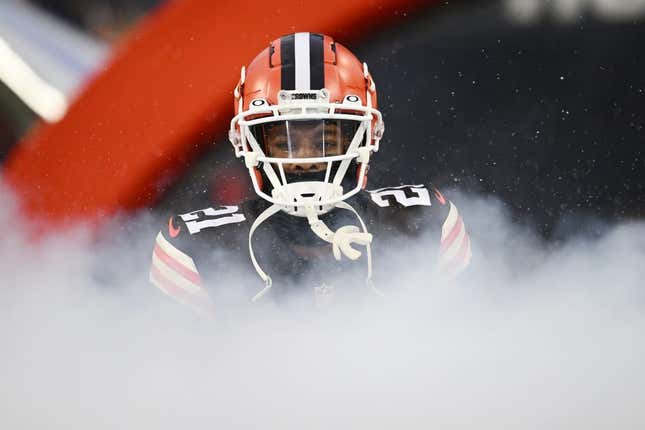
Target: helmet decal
[(302, 62), (306, 122)]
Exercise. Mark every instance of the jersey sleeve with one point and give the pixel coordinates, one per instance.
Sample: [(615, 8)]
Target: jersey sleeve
[(173, 270), (413, 210), (404, 209), (199, 239), (454, 248)]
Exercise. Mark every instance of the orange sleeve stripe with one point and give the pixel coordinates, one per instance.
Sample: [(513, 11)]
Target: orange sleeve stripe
[(177, 266), (447, 242)]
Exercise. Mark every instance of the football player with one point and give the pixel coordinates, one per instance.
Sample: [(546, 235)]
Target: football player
[(306, 125)]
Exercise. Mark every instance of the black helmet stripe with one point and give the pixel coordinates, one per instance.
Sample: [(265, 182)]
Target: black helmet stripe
[(288, 62), (302, 59), (316, 62)]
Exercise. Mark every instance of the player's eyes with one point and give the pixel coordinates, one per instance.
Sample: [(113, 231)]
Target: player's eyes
[(329, 145), (279, 146)]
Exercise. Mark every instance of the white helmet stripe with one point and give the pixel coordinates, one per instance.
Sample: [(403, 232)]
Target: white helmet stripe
[(303, 68)]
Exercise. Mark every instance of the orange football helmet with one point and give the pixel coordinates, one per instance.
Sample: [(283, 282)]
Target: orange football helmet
[(306, 122)]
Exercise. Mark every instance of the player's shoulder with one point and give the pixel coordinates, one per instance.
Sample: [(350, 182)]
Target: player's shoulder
[(206, 222), (406, 196)]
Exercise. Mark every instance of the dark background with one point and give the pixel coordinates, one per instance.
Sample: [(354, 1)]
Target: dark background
[(547, 116)]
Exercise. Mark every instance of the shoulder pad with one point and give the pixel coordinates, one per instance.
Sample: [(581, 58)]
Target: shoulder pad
[(196, 221)]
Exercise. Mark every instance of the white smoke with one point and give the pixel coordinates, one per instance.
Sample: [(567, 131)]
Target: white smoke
[(533, 338)]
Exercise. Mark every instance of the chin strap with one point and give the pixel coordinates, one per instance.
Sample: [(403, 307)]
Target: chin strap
[(343, 238), (341, 241), (266, 214)]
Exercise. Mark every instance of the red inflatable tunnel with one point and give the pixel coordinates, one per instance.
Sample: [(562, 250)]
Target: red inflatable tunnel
[(167, 88)]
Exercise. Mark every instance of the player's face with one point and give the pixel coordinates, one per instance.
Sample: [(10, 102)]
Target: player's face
[(305, 139)]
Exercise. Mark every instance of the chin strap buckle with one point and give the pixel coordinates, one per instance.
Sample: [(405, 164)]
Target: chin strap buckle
[(342, 239), (364, 154), (251, 159)]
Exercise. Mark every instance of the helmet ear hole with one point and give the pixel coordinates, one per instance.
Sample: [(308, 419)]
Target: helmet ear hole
[(352, 100), (258, 104)]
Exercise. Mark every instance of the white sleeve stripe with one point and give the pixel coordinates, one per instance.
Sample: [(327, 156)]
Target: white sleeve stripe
[(450, 221), (175, 253), (460, 261), (202, 305), (452, 251), (176, 278)]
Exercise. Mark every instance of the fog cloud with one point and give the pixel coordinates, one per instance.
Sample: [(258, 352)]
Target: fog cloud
[(534, 336)]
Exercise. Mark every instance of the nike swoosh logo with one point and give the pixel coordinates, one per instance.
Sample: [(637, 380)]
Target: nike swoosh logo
[(440, 197), (174, 232)]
